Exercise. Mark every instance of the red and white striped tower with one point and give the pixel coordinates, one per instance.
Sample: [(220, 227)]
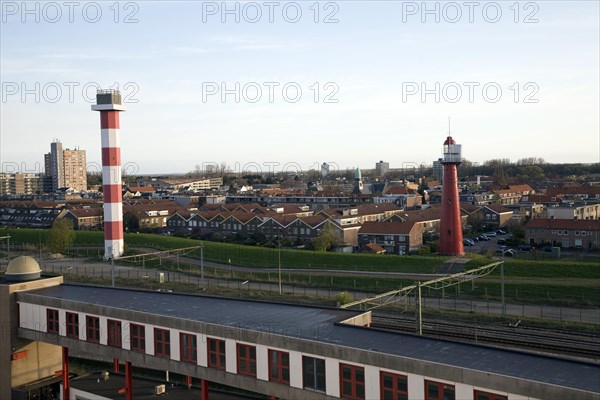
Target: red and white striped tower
[(108, 102), (451, 237)]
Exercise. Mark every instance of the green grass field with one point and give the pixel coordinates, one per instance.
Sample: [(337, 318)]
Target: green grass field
[(252, 256)]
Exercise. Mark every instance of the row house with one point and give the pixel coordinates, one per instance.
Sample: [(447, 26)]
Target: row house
[(29, 214), (542, 198), (317, 201), (512, 194), (89, 218), (138, 191), (150, 215), (574, 211), (576, 193), (405, 197), (362, 214), (394, 237), (477, 199), (272, 225), (491, 216), (584, 234)]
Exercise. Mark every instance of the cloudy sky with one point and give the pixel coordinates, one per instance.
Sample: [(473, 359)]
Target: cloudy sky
[(294, 84)]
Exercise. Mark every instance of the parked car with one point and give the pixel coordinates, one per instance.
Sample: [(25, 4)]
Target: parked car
[(468, 242), (475, 239), (501, 241), (509, 253), (524, 247), (500, 232), (491, 234), (484, 238)]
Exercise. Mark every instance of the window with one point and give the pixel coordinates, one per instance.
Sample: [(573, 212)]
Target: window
[(114, 333), (188, 345), (393, 386), (246, 359), (162, 342), (479, 395), (72, 325), (438, 391), (138, 338), (313, 373), (51, 320), (93, 329), (216, 353), (279, 366), (352, 382)]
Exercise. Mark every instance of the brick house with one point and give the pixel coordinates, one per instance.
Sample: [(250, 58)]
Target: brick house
[(393, 236), (564, 233)]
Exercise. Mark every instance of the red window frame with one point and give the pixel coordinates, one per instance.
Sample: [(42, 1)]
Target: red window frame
[(279, 366), (352, 387), (137, 337), (246, 359), (216, 353), (162, 342), (481, 395), (441, 387), (188, 347), (72, 325), (92, 329), (114, 333), (398, 389), (52, 320)]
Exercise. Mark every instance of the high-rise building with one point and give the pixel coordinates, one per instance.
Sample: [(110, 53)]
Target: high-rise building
[(66, 167), (324, 169), (20, 184), (438, 170), (74, 169), (381, 168)]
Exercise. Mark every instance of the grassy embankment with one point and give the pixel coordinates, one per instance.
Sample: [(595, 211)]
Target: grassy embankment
[(566, 283)]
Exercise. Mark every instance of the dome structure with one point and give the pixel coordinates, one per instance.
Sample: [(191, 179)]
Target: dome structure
[(449, 140), (23, 268)]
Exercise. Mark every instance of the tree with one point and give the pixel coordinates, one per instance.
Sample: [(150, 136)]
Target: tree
[(61, 236), (326, 240)]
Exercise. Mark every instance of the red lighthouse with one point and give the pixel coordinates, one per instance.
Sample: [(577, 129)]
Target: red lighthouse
[(451, 238)]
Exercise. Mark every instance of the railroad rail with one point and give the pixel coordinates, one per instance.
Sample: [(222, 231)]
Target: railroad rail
[(572, 344)]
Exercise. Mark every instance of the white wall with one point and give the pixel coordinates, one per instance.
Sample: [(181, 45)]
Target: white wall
[(33, 317)]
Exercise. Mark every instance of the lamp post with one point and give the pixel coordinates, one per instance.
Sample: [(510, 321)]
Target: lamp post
[(202, 262), (279, 262)]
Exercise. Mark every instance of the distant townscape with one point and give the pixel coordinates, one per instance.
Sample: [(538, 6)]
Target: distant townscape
[(381, 210)]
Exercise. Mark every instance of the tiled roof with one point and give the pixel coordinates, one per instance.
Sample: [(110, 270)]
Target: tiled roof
[(141, 189), (386, 228), (588, 225), (498, 208), (375, 248)]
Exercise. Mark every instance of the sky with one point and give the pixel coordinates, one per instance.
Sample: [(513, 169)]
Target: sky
[(272, 85)]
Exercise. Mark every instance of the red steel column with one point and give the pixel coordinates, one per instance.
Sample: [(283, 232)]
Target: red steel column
[(65, 371), (203, 389), (115, 365), (109, 105), (128, 381)]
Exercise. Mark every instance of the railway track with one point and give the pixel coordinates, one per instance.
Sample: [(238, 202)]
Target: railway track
[(574, 344)]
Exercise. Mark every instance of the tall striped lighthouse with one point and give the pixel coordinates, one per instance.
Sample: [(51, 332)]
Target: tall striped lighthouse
[(451, 237), (108, 102)]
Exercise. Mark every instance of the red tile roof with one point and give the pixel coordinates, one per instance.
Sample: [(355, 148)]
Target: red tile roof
[(588, 225), (386, 228)]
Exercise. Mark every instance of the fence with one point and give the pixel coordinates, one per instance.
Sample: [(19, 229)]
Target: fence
[(243, 287)]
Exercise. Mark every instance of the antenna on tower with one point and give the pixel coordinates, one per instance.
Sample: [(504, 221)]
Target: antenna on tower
[(449, 131)]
